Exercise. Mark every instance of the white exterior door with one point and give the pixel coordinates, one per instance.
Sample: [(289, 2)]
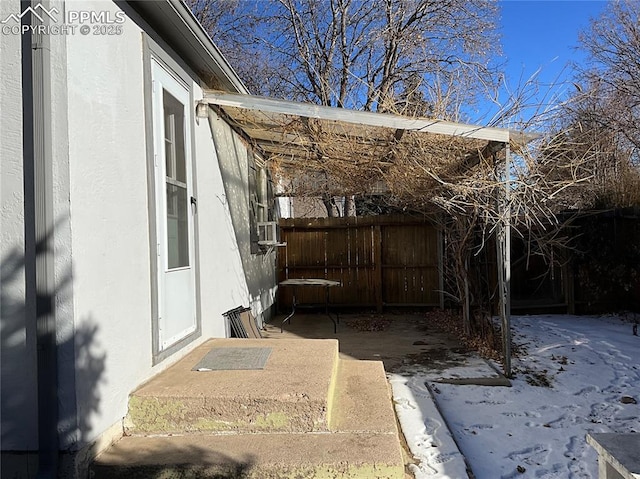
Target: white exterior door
[(174, 217)]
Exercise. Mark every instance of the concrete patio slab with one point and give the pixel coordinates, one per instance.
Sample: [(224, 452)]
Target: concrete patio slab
[(398, 340), (292, 392), (318, 409)]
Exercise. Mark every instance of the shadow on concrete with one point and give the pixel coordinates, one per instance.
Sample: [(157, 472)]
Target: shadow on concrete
[(180, 462), (400, 340)]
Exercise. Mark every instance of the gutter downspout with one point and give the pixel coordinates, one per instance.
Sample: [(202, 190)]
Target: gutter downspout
[(37, 144)]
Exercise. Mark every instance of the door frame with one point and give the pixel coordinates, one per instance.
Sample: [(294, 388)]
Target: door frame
[(153, 52)]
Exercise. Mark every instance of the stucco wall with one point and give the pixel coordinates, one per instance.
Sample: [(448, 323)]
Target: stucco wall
[(17, 349), (109, 222), (223, 284), (259, 269), (102, 235), (111, 233)]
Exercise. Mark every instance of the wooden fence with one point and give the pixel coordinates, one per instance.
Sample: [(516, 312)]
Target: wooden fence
[(379, 261)]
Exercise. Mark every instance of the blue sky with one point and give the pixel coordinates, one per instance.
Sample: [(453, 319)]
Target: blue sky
[(543, 34)]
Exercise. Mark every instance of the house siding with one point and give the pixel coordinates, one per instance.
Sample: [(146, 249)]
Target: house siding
[(219, 251), (259, 269), (103, 234), (111, 226), (109, 221)]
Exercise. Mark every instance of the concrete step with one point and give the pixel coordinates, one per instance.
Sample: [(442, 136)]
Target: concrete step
[(291, 394), (307, 414), (253, 456), (362, 399)]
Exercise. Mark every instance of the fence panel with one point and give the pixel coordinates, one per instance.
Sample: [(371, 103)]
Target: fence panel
[(410, 265), (382, 260)]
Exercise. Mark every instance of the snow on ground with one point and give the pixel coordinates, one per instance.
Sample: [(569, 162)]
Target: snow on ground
[(573, 375)]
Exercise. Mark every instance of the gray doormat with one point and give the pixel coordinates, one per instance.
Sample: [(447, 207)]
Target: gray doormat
[(219, 359)]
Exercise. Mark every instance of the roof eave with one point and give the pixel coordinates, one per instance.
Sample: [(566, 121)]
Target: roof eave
[(175, 23)]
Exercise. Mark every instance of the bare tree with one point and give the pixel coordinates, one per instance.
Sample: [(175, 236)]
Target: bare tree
[(613, 45), (416, 56), (587, 143), (362, 55), (232, 24), (601, 119)]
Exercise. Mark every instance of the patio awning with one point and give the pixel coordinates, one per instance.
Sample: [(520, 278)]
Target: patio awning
[(302, 131), (355, 150)]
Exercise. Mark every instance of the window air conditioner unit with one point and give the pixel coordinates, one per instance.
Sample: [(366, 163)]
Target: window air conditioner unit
[(268, 233)]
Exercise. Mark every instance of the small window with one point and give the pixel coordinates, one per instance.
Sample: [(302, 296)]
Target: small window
[(262, 202), (262, 194), (267, 233)]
